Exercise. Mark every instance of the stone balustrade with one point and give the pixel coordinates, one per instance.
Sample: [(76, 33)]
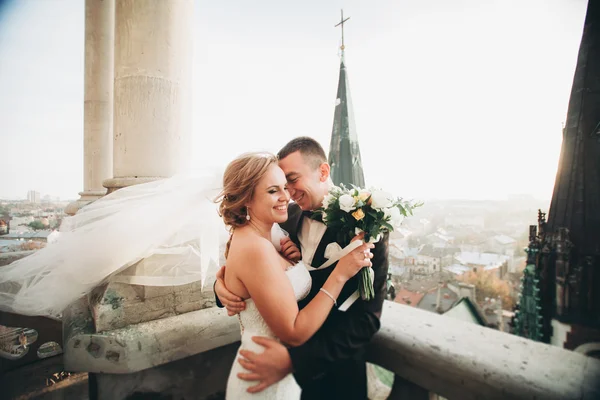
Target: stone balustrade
[(426, 351), (460, 360)]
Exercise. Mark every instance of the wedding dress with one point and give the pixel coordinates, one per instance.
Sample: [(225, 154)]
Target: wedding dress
[(253, 324), (162, 233)]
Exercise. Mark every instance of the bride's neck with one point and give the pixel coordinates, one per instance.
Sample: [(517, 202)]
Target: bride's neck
[(263, 229)]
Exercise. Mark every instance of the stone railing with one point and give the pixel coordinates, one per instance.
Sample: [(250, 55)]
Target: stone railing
[(458, 360), (427, 352)]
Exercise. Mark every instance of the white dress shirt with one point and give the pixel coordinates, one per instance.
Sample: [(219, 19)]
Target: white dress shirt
[(309, 237)]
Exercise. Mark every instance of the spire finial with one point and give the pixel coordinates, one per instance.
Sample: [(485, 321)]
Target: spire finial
[(342, 25)]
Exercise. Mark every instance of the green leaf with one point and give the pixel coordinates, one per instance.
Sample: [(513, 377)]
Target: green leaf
[(388, 226)]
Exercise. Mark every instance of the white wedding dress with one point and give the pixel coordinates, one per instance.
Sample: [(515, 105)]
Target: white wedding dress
[(253, 324), (162, 233)]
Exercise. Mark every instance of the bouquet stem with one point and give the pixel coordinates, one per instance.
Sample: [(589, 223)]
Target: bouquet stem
[(365, 284)]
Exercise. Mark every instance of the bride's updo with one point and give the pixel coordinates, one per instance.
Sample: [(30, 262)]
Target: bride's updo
[(239, 181)]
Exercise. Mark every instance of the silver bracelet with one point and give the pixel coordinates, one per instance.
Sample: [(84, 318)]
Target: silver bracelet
[(329, 295)]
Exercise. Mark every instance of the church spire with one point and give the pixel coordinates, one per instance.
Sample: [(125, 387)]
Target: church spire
[(344, 153), (566, 247)]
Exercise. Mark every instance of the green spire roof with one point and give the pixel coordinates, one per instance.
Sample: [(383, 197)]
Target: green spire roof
[(344, 152)]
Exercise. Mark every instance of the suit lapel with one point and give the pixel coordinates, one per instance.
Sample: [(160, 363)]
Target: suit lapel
[(319, 258)]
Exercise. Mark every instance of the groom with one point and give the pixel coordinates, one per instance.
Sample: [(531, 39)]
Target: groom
[(332, 363)]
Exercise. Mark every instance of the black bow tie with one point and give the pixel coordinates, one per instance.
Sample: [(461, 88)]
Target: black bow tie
[(317, 216)]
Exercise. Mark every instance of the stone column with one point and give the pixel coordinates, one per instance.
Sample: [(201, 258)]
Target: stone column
[(98, 100), (152, 89), (152, 132)]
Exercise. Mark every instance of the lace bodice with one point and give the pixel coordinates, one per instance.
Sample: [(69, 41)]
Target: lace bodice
[(251, 322)]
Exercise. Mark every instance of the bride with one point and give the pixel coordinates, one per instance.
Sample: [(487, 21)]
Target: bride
[(254, 198)]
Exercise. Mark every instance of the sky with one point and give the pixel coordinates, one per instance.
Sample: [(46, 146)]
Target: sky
[(453, 99)]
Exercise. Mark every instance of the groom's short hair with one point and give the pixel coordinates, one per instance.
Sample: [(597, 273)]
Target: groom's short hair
[(310, 149)]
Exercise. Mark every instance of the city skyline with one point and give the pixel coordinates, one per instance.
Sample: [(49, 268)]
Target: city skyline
[(450, 102)]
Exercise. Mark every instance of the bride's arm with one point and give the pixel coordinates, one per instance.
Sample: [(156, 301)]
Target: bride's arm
[(273, 294)]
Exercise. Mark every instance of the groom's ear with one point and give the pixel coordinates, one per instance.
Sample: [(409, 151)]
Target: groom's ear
[(324, 170)]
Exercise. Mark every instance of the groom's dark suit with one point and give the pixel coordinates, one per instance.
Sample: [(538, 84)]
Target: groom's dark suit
[(331, 364)]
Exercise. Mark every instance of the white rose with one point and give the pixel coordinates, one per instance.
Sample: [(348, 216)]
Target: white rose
[(381, 199), (357, 230), (346, 202), (327, 200), (395, 216)]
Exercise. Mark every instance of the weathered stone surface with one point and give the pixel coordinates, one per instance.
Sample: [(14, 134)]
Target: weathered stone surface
[(459, 360), (442, 355), (145, 345), (98, 101), (203, 376), (153, 62), (43, 380), (117, 305)]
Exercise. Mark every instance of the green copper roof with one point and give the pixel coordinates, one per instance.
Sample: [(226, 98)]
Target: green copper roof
[(344, 152)]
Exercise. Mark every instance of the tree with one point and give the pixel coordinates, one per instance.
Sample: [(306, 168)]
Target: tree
[(36, 225), (487, 284)]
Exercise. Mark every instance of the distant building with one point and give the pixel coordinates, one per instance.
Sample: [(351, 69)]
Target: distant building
[(20, 223), (463, 289), (438, 300), (467, 310), (33, 197), (407, 297), (497, 263), (433, 258), (458, 269), (440, 238), (411, 255), (40, 236), (502, 244)]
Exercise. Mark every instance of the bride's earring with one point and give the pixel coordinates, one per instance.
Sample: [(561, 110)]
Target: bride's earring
[(248, 215)]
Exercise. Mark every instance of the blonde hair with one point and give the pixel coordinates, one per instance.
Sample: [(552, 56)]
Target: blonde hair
[(239, 181)]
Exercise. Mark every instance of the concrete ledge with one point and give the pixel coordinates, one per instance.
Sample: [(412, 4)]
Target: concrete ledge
[(145, 345), (449, 357), (465, 361)]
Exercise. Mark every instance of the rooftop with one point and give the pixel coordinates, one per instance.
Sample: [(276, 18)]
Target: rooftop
[(408, 298)]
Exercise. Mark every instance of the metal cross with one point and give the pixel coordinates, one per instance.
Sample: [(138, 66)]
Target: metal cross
[(342, 24)]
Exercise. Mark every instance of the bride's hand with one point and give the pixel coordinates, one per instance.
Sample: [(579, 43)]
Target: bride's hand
[(289, 250), (232, 303), (350, 264)]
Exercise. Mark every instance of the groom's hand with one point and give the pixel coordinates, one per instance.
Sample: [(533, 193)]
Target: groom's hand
[(289, 250), (267, 368), (232, 303)]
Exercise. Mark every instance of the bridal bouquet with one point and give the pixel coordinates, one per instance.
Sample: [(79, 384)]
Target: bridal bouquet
[(356, 210)]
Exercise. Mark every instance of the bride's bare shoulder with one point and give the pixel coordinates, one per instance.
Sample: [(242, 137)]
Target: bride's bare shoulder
[(246, 246)]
